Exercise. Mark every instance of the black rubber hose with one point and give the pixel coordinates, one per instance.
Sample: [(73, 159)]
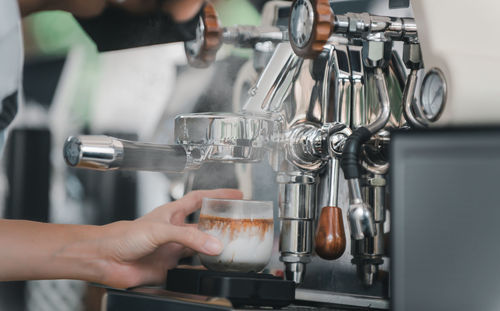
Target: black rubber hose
[(351, 152)]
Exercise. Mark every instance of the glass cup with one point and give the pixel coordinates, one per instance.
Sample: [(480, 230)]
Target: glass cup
[(246, 230)]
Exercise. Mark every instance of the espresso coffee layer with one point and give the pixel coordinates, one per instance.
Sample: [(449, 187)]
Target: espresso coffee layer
[(231, 226)]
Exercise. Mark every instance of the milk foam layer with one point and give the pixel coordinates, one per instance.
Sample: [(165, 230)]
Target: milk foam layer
[(247, 244)]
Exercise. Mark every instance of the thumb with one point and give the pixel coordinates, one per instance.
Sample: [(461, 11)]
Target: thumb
[(192, 238)]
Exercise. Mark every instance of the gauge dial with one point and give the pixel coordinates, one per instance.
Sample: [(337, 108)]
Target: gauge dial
[(433, 94), (301, 22)]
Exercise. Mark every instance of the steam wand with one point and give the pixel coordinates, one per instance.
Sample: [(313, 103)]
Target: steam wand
[(376, 52)]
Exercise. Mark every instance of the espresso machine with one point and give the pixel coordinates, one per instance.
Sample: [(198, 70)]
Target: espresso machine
[(331, 86)]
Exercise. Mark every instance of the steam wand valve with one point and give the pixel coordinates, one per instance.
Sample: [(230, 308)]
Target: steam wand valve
[(201, 51)]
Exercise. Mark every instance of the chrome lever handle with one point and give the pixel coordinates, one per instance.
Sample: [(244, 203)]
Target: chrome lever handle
[(99, 152)]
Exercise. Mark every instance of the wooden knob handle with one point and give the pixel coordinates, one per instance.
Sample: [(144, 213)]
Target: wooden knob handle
[(201, 51), (322, 27), (330, 236)]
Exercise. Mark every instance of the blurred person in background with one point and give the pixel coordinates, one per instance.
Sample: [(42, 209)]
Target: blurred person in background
[(121, 254)]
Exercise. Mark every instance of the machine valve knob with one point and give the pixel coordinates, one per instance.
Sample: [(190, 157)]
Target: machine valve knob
[(330, 236), (310, 26), (201, 51)]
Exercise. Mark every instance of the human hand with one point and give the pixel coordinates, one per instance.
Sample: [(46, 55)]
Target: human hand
[(140, 252), (81, 8), (180, 10)]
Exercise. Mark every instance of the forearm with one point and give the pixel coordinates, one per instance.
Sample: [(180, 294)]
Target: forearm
[(30, 6), (32, 250), (81, 8), (180, 10)]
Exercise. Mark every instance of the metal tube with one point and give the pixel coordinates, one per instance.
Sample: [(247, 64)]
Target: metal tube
[(383, 98), (297, 204), (379, 203), (325, 88), (357, 24), (355, 191), (411, 84), (108, 153), (334, 168), (274, 82), (247, 36)]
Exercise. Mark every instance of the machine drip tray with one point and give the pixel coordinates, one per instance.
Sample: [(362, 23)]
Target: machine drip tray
[(242, 289)]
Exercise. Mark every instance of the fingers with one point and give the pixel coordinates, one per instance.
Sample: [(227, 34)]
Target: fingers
[(182, 10), (192, 201), (136, 6), (189, 237)]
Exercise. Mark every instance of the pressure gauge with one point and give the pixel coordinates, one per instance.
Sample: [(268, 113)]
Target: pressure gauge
[(301, 22), (310, 26), (433, 95)]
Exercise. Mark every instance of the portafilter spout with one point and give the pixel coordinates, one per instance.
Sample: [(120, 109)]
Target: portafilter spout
[(99, 152)]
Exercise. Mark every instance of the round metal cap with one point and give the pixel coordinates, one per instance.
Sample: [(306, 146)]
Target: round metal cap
[(72, 151)]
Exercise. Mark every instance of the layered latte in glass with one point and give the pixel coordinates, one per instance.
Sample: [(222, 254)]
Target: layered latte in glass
[(244, 227)]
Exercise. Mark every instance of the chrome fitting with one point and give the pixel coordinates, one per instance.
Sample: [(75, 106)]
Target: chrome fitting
[(376, 50), (412, 55), (309, 146)]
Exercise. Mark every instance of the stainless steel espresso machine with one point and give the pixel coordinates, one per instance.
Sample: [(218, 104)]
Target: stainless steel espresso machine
[(331, 87)]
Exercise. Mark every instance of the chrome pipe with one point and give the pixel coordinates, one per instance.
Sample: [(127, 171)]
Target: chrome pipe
[(247, 36), (275, 81), (361, 222), (360, 214), (325, 88), (409, 92), (334, 170), (297, 200), (358, 24), (383, 98), (355, 195)]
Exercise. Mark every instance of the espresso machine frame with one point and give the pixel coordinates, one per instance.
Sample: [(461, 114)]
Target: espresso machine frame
[(330, 89)]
